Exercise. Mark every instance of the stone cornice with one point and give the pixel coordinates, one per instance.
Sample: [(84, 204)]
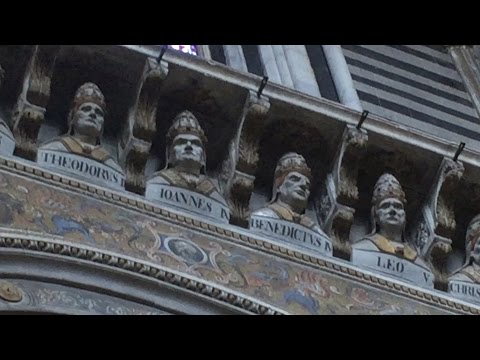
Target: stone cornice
[(17, 239), (375, 124)]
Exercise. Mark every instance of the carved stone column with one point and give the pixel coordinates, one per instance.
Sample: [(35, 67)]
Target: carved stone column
[(31, 105), (267, 56), (281, 60), (436, 226), (141, 126), (238, 170), (340, 192), (301, 70), (341, 77), (234, 57)]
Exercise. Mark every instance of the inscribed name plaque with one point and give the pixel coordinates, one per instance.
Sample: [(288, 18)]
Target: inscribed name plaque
[(291, 233), (465, 290), (189, 201), (81, 167), (7, 142), (393, 266)]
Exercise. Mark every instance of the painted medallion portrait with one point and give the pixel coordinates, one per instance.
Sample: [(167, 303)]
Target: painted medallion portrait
[(186, 250)]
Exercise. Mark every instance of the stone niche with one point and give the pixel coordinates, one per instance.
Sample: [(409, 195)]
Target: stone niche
[(414, 170), (303, 138), (73, 68), (13, 60), (118, 72), (217, 106), (275, 143), (467, 205), (289, 129)]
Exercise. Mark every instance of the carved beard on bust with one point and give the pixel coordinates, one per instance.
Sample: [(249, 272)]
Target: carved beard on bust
[(88, 121), (390, 216), (295, 191), (187, 153)]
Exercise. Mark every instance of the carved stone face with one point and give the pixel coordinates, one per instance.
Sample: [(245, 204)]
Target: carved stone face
[(187, 149), (295, 190), (476, 253), (474, 232), (390, 213), (88, 120)]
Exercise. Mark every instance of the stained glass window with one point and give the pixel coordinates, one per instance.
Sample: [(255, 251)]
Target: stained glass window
[(188, 49)]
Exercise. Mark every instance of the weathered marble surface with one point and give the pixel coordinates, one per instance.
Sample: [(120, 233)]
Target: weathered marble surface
[(81, 167), (394, 266), (31, 205), (7, 141), (292, 234), (189, 201), (468, 291)]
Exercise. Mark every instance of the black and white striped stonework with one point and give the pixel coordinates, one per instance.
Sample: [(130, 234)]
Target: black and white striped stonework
[(414, 85)]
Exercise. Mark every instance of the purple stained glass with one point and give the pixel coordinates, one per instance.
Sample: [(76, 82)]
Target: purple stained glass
[(188, 49)]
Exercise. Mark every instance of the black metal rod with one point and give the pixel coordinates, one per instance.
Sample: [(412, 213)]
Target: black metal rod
[(262, 86), (459, 151), (362, 119), (162, 52)]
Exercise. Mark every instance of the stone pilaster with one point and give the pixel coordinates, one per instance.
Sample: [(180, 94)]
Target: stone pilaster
[(239, 169), (234, 57), (341, 77), (136, 141), (340, 192), (436, 225), (31, 105), (301, 70), (267, 57)]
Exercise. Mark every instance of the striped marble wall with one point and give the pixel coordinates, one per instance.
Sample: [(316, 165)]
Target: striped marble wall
[(414, 85)]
